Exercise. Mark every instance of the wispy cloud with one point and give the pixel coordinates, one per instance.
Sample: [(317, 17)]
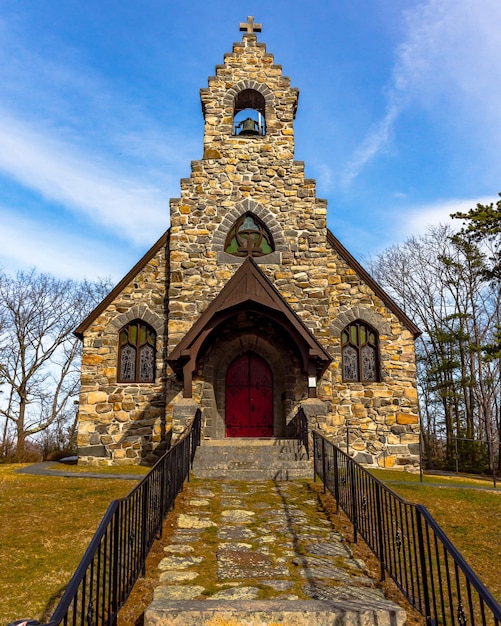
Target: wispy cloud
[(72, 136), (417, 220), (375, 141), (28, 243), (63, 174), (449, 63)]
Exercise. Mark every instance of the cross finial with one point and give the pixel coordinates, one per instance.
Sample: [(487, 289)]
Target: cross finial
[(249, 26)]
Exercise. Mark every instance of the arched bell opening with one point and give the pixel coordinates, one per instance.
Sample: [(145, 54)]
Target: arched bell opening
[(249, 113)]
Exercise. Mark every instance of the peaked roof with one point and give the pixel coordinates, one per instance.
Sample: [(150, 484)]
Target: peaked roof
[(376, 288), (93, 315), (259, 290), (249, 284)]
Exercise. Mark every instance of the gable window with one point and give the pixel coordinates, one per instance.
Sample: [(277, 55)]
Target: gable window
[(136, 353), (249, 237), (248, 114), (359, 346)]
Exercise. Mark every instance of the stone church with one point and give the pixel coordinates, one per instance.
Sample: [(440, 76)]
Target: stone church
[(248, 307)]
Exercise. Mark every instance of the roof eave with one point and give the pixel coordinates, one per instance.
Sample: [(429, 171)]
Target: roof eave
[(378, 290), (95, 313)]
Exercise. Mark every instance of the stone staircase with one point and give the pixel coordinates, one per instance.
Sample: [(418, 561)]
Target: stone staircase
[(252, 459), (262, 553)]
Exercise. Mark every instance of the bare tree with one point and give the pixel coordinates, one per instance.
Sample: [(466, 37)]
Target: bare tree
[(442, 284), (38, 352)]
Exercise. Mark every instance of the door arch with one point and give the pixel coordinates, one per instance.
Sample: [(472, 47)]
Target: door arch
[(249, 397)]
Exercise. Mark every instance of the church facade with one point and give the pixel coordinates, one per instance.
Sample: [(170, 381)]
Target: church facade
[(248, 307)]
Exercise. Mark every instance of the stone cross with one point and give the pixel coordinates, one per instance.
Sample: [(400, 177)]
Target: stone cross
[(249, 26)]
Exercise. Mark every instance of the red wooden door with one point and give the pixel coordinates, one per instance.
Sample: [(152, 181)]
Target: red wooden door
[(249, 397)]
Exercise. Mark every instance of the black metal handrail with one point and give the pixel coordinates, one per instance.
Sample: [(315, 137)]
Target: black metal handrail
[(117, 553), (410, 545)]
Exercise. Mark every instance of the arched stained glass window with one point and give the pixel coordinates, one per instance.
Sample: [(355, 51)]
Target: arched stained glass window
[(249, 237), (136, 353), (360, 352)]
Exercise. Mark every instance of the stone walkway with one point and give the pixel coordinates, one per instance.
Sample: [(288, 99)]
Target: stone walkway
[(261, 541)]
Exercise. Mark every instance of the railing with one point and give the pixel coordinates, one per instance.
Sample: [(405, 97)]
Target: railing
[(410, 545), (117, 553)]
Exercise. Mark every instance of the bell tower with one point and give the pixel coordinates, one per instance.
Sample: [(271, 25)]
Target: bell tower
[(249, 106), (247, 186)]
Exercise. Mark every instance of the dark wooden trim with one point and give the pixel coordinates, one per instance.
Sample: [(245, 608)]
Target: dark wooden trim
[(231, 296), (79, 332), (376, 288)]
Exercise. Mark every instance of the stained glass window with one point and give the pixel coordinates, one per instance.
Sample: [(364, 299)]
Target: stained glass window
[(136, 353), (127, 363), (359, 346), (249, 237), (350, 363)]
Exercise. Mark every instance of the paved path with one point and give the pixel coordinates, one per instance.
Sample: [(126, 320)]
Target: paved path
[(42, 469), (257, 541), (425, 483)]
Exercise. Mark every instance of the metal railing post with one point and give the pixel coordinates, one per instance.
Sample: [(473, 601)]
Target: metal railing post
[(115, 566), (323, 464), (144, 524), (163, 479), (315, 452), (379, 518), (422, 557), (336, 478), (354, 509)]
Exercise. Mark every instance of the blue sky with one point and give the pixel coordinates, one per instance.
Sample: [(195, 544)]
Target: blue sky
[(399, 116)]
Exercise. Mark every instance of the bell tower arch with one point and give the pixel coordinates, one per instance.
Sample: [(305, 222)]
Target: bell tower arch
[(249, 110)]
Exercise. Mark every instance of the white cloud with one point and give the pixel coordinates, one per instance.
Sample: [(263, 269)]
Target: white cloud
[(416, 221), (452, 51), (82, 182), (26, 243), (71, 136), (375, 141), (449, 62)]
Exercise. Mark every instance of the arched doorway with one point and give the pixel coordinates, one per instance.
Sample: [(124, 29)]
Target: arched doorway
[(249, 397)]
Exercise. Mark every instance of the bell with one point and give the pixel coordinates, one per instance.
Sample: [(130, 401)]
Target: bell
[(249, 127)]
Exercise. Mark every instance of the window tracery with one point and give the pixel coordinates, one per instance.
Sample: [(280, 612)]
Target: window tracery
[(136, 353), (360, 353), (249, 237)]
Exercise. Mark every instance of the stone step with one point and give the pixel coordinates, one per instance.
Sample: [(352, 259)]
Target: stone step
[(252, 459), (263, 612), (257, 474)]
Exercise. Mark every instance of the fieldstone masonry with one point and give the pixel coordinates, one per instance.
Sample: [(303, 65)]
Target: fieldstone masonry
[(177, 281)]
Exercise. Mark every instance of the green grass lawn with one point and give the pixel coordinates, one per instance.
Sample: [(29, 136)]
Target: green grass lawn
[(46, 525), (470, 517)]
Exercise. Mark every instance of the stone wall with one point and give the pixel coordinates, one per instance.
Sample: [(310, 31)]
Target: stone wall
[(326, 290), (124, 423)]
